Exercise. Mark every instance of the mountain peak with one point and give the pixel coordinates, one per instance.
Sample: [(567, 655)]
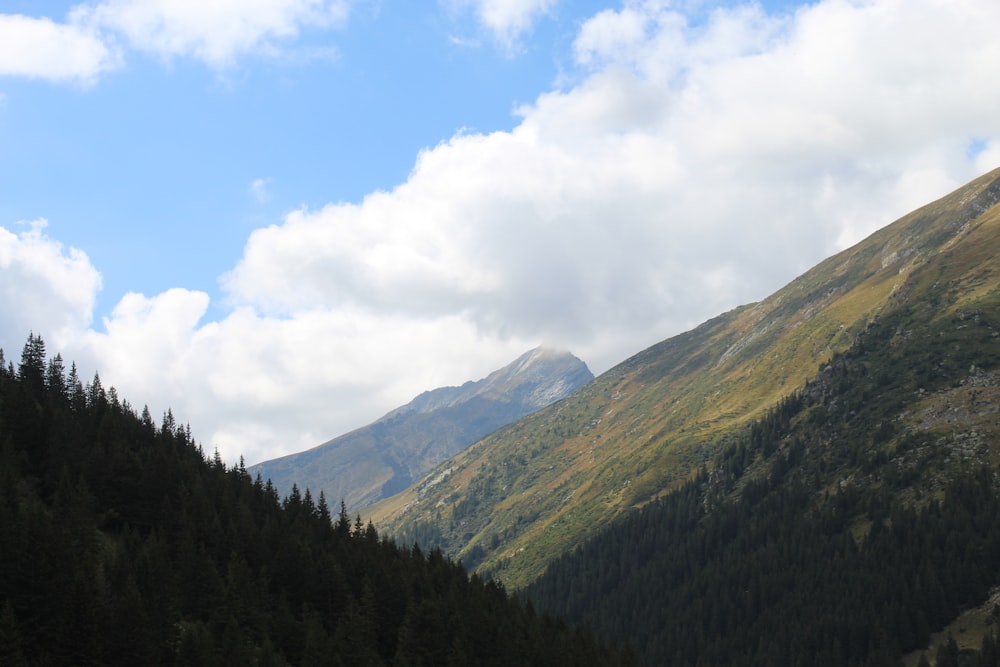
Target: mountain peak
[(540, 376), (384, 457), (541, 355)]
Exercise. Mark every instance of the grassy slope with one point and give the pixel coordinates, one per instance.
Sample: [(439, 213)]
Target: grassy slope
[(524, 495)]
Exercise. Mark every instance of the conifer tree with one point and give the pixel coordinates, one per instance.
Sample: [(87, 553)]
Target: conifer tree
[(74, 389), (343, 521), (55, 378), (31, 370), (97, 399), (322, 509)]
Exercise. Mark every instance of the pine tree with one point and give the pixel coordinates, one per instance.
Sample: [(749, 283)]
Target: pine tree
[(31, 370), (97, 399), (322, 509), (343, 521), (55, 379), (74, 389)]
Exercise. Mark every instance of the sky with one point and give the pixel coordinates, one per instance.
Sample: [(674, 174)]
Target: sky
[(281, 219)]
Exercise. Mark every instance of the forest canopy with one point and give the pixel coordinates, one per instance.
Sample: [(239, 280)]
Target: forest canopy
[(124, 544)]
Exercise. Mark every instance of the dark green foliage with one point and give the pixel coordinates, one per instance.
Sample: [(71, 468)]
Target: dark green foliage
[(821, 536), (122, 544), (948, 654), (758, 581)]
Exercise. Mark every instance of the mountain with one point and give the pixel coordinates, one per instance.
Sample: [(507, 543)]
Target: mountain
[(384, 457), (923, 291), (859, 513), (123, 545)]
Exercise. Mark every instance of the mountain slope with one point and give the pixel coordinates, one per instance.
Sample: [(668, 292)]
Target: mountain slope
[(123, 545), (528, 493), (843, 526), (384, 457)]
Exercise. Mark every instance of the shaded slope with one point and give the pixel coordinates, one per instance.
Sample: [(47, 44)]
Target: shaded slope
[(526, 494), (857, 516), (123, 545), (384, 457)]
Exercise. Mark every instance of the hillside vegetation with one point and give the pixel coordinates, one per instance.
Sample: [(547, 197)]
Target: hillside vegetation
[(122, 544), (522, 497), (857, 516), (809, 480)]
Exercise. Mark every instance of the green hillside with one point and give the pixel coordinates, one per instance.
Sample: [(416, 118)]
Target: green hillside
[(524, 496), (857, 516)]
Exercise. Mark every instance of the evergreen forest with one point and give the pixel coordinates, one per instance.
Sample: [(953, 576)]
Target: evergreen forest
[(122, 543), (823, 534)]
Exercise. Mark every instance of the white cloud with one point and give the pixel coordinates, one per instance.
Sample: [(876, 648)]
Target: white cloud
[(506, 20), (263, 386), (43, 287), (217, 32), (328, 371), (464, 42), (40, 48), (259, 190), (989, 156), (691, 170)]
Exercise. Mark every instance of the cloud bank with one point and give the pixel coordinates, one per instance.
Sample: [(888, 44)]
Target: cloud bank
[(689, 169)]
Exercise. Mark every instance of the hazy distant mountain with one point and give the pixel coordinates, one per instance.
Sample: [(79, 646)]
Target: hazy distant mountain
[(385, 457)]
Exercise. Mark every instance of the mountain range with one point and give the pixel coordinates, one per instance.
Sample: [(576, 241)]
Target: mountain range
[(869, 383), (809, 480), (384, 457)]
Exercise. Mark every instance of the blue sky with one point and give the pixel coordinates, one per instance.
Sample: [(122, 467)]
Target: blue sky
[(283, 218), (154, 164)]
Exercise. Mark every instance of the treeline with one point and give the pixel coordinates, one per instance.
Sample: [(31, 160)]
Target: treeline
[(823, 535), (121, 543), (763, 582)]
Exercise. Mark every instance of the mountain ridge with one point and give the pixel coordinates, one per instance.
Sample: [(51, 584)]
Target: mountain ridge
[(498, 384), (860, 512), (517, 499), (378, 459)]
